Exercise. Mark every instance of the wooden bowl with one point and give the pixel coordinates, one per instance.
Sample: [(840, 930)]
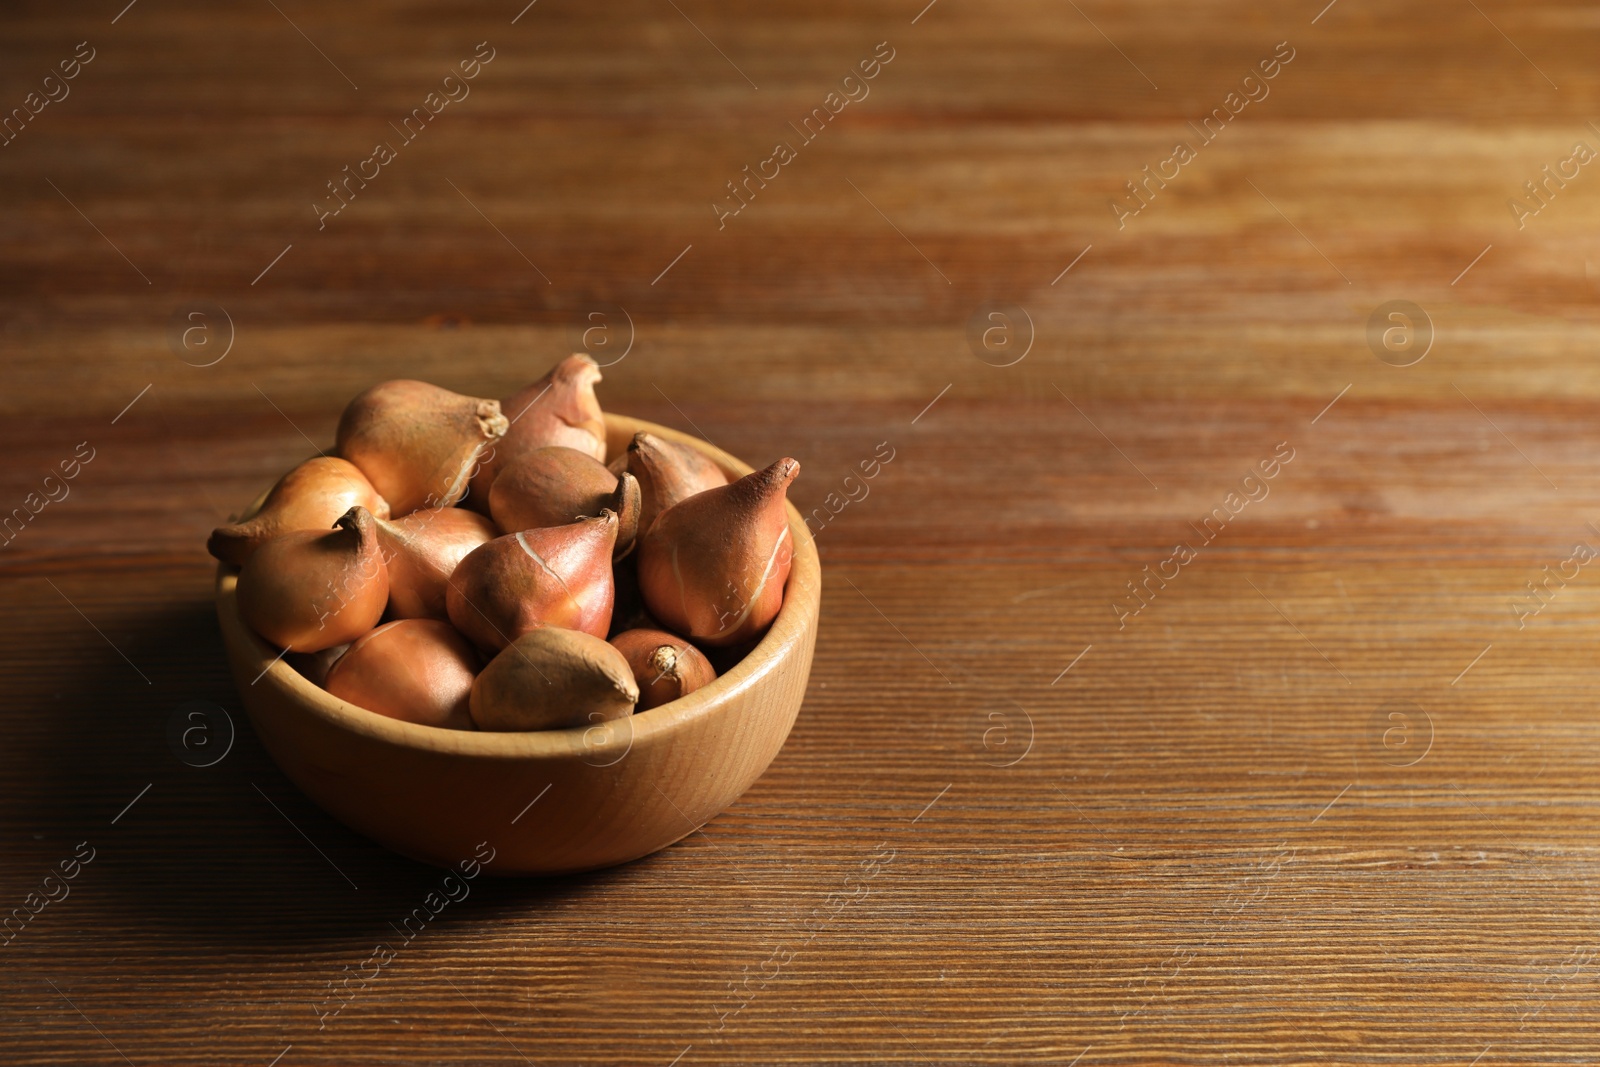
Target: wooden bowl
[(546, 802)]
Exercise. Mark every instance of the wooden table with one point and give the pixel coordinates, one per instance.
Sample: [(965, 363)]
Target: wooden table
[(1327, 795)]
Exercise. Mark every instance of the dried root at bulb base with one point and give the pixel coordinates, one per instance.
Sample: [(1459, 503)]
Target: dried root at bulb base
[(664, 665)]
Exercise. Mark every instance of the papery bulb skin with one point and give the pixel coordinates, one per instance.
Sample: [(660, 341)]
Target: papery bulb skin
[(416, 670), (418, 444), (558, 409), (556, 576), (668, 473), (713, 567), (421, 551), (664, 665), (307, 591), (310, 497), (551, 679)]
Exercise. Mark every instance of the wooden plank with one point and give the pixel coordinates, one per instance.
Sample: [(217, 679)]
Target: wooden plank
[(1016, 821)]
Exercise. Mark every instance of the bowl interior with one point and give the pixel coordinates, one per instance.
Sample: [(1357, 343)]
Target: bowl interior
[(801, 596)]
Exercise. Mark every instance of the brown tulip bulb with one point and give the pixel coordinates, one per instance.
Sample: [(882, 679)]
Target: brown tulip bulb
[(418, 444), (310, 497), (557, 576), (549, 487), (421, 551), (665, 665), (713, 566), (558, 409), (417, 670), (551, 678), (307, 591), (669, 473)]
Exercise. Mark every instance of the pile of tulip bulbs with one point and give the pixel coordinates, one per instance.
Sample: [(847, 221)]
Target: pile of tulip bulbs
[(483, 564)]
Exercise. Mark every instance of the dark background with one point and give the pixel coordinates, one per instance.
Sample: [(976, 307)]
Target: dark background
[(1209, 840)]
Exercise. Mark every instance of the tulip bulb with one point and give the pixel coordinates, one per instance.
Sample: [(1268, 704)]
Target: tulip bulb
[(557, 576), (664, 665), (551, 678), (668, 473), (558, 409), (713, 566), (552, 486), (308, 590), (421, 551), (310, 497), (416, 670), (417, 443)]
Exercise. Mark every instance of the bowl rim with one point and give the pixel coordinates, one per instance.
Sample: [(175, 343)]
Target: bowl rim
[(793, 626)]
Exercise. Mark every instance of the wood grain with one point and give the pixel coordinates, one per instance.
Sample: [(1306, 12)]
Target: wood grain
[(1214, 848)]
